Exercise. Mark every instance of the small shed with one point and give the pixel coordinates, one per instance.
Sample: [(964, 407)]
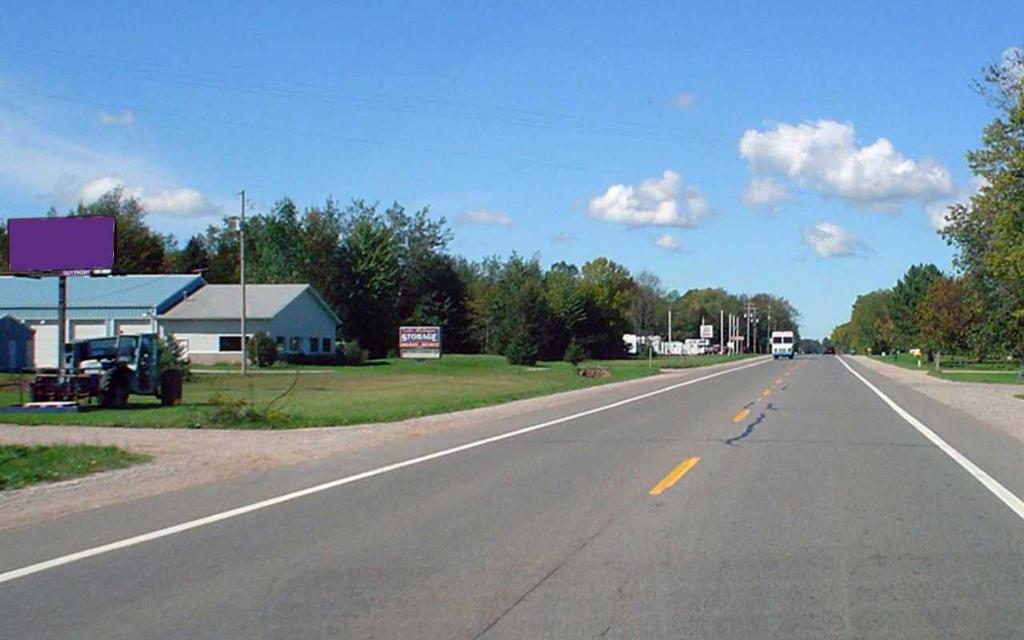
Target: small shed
[(15, 344)]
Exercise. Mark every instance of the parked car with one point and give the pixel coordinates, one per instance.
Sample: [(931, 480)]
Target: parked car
[(830, 351)]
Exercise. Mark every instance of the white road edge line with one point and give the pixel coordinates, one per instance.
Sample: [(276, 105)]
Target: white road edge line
[(1009, 499), (270, 502)]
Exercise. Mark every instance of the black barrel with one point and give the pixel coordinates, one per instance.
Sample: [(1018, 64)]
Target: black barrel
[(170, 387)]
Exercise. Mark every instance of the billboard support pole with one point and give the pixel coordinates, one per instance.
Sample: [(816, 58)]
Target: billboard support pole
[(62, 313), (241, 273)]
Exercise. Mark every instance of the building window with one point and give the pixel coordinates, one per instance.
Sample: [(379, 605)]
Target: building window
[(279, 341), (230, 343), (295, 344), (327, 345), (314, 345)]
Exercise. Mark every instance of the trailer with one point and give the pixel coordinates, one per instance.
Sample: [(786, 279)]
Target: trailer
[(109, 370)]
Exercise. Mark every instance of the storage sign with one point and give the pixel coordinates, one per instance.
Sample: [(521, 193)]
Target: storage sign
[(707, 331), (419, 342)]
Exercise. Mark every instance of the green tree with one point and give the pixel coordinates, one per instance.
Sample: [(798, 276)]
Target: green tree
[(608, 290), (566, 300), (906, 296), (947, 315), (870, 327), (988, 232), (193, 258), (366, 288), (137, 249)]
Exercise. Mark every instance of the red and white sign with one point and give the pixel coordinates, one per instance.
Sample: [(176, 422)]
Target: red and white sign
[(419, 342)]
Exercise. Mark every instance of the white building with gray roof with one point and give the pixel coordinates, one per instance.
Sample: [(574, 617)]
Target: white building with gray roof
[(207, 322)]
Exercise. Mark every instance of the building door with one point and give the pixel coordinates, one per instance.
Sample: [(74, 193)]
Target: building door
[(45, 344), (88, 329)]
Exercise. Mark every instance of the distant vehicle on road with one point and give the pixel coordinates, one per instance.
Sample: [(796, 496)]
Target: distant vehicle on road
[(782, 345), (830, 351)]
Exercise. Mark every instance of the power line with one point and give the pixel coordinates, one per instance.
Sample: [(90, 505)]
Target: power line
[(417, 105)]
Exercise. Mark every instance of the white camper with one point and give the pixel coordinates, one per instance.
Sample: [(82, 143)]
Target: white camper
[(782, 345)]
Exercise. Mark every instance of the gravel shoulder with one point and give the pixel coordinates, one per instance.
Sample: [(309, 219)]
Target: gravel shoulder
[(993, 404), (185, 457)]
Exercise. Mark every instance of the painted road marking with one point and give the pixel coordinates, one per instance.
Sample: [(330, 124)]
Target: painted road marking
[(1009, 499), (741, 415), (674, 476), (333, 484), (766, 393), (779, 381)]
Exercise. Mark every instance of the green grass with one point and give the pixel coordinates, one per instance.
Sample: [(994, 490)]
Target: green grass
[(24, 465), (961, 370), (989, 377), (379, 391)]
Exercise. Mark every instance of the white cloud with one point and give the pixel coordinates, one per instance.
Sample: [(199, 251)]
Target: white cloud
[(667, 242), (659, 202), (764, 193), (125, 119), (61, 171), (829, 240), (683, 100), (178, 201), (482, 216), (824, 156), (938, 211)]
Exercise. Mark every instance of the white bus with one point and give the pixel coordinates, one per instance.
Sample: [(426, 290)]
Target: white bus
[(782, 345)]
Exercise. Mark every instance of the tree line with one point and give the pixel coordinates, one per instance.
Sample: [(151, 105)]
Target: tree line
[(380, 268), (978, 310)]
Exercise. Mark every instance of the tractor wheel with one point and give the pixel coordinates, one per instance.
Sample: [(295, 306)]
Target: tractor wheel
[(116, 395)]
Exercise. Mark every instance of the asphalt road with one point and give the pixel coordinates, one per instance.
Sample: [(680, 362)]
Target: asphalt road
[(781, 500)]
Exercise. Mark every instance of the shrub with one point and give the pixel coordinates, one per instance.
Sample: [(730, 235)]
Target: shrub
[(521, 350), (574, 353), (262, 350), (172, 356), (350, 353), (231, 411)]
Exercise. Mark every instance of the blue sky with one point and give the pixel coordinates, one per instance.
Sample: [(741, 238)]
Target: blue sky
[(571, 130)]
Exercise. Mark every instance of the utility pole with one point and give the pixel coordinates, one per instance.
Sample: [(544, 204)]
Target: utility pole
[(241, 273), (670, 325), (751, 316), (721, 331)]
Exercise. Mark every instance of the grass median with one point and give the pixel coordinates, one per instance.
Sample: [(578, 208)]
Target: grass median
[(960, 369), (22, 465), (378, 391)]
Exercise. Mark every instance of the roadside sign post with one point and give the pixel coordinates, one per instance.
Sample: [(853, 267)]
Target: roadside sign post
[(62, 313)]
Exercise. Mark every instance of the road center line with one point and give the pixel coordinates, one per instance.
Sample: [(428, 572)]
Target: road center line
[(674, 476), (742, 414), (1009, 499), (766, 393), (270, 502)]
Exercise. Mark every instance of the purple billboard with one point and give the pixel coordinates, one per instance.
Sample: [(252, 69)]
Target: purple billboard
[(62, 245)]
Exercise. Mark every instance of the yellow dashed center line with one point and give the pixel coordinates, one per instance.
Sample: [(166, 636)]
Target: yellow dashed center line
[(779, 381), (674, 476), (741, 415), (766, 393)]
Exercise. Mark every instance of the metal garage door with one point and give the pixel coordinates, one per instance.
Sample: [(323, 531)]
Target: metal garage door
[(45, 343), (88, 329), (132, 327)]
